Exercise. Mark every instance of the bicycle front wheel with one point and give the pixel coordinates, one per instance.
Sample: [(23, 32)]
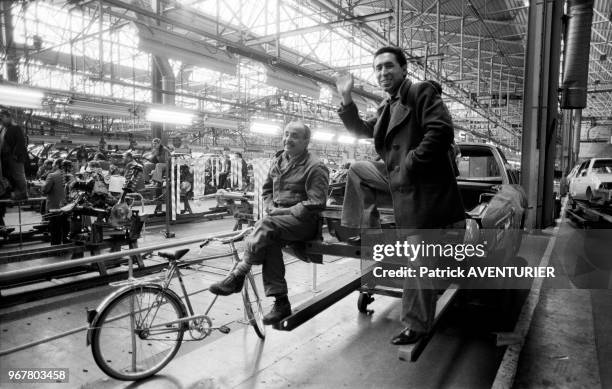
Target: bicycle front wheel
[(130, 340), (252, 306)]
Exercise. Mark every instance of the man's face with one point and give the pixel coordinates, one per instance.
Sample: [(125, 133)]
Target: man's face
[(294, 139), (389, 73), (154, 144)]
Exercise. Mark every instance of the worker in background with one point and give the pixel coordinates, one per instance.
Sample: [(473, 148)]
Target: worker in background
[(133, 173), (413, 134), (82, 156), (244, 170), (294, 192), (44, 169), (69, 176), (54, 188), (14, 155), (226, 170)]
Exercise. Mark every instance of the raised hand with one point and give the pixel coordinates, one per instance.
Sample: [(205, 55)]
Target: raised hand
[(344, 84)]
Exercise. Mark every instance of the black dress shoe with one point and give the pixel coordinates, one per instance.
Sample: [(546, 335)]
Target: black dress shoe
[(280, 310), (407, 336), (231, 284)]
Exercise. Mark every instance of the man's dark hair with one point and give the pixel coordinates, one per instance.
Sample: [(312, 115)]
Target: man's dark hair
[(399, 54)]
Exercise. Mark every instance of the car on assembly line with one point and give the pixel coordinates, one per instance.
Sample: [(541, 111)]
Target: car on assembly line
[(593, 181)]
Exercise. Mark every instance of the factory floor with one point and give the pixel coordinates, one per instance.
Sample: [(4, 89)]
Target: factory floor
[(561, 336)]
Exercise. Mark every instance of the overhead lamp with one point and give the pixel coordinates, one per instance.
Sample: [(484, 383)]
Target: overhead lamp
[(267, 128), (346, 139), (323, 136), (365, 141), (169, 116), (20, 97)]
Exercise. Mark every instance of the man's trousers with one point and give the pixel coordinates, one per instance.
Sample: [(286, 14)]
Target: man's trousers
[(263, 247), (366, 185)]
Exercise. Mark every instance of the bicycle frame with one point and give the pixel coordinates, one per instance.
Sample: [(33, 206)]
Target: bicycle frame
[(163, 285)]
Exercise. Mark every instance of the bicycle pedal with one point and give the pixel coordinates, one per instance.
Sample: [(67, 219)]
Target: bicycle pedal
[(224, 329)]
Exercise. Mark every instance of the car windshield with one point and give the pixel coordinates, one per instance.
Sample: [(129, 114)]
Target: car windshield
[(602, 166), (35, 150), (478, 164)]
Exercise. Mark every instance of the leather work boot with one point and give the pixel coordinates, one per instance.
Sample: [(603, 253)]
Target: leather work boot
[(280, 310), (231, 284)]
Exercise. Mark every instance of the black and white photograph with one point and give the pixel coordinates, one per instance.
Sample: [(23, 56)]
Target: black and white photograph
[(267, 194)]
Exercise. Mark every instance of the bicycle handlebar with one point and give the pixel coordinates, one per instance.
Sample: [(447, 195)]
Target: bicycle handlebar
[(229, 239)]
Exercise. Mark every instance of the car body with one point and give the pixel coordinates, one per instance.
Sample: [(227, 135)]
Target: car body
[(565, 181), (593, 181), (492, 196)]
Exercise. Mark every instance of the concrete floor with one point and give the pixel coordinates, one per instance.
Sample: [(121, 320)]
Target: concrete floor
[(569, 344)]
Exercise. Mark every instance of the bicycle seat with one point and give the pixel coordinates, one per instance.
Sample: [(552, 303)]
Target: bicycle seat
[(173, 256)]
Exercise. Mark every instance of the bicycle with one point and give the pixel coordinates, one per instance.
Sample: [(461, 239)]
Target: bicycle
[(138, 329)]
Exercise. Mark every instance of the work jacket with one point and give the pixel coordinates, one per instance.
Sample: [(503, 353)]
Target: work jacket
[(301, 186), (54, 188), (414, 140)]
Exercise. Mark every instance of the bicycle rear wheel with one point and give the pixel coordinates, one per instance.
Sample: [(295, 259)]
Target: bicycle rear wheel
[(125, 346), (252, 306)]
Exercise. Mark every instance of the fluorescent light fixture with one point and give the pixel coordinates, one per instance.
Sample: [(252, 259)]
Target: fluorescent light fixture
[(323, 136), (347, 139), (267, 128), (169, 116), (365, 141), (20, 97)]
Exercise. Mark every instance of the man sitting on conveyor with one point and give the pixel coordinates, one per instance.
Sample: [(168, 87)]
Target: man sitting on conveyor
[(413, 134), (293, 193)]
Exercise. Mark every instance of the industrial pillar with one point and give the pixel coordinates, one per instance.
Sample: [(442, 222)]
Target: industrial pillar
[(575, 139), (156, 95), (540, 110), (566, 138), (6, 17)]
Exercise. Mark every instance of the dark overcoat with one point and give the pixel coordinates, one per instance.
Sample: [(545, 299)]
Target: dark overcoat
[(415, 148)]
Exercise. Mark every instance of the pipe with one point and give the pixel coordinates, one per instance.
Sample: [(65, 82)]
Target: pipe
[(576, 55)]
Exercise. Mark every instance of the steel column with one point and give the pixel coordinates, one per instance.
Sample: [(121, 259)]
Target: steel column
[(461, 37), (438, 41), (478, 75), (566, 147), (398, 23), (575, 140), (540, 110)]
